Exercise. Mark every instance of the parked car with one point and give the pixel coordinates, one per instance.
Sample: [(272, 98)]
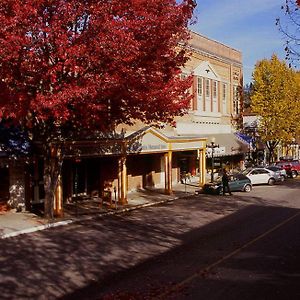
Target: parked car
[(238, 182), (261, 176), (292, 167), (282, 172)]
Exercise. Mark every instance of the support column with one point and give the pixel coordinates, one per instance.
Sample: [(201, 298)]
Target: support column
[(168, 173), (122, 178), (58, 198), (202, 167)]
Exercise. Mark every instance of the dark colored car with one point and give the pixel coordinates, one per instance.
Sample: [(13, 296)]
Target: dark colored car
[(292, 167), (238, 182)]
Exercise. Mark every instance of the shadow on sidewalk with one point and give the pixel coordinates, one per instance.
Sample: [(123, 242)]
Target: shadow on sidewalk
[(139, 198)]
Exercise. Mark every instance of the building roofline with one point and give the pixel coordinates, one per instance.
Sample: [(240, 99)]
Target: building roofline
[(215, 41), (203, 45)]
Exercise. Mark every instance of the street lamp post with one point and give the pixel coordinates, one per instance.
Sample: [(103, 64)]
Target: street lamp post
[(212, 146)]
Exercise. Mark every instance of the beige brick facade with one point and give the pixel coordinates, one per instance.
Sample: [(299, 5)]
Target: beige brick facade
[(217, 103)]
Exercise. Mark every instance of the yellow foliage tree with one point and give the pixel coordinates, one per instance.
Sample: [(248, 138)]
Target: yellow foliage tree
[(275, 100)]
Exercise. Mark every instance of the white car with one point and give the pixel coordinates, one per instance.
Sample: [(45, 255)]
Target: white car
[(282, 172), (262, 176)]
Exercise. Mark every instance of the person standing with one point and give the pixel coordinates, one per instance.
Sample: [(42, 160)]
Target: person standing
[(225, 182)]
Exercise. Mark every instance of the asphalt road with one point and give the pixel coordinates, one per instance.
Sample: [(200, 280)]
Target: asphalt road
[(244, 246)]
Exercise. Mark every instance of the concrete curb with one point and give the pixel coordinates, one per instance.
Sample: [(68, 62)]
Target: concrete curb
[(85, 218), (35, 228)]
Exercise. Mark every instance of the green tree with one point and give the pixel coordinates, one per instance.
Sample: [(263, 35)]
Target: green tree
[(275, 101)]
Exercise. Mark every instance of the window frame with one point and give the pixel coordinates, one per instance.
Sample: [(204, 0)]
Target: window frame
[(199, 86), (215, 89), (207, 88)]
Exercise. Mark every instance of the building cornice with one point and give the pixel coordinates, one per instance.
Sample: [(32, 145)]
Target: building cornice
[(214, 56), (213, 49)]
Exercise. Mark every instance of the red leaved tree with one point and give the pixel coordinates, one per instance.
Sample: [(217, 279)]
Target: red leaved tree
[(68, 65)]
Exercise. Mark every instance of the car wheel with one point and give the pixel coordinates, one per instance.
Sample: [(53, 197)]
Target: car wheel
[(271, 181), (294, 174), (247, 188), (282, 177), (220, 191)]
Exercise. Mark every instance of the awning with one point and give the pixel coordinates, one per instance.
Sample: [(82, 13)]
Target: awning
[(245, 138), (151, 140), (229, 144)]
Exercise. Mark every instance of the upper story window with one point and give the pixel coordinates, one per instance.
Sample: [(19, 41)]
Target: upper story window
[(224, 97), (236, 100), (207, 88), (199, 86), (184, 76), (224, 92), (215, 91)]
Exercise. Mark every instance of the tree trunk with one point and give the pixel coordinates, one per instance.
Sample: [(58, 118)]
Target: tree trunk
[(271, 157), (271, 145), (52, 170)]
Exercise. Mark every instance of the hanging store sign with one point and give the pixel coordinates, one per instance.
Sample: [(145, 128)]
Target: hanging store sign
[(220, 151)]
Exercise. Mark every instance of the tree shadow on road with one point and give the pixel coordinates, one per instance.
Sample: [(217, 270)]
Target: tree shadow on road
[(102, 256)]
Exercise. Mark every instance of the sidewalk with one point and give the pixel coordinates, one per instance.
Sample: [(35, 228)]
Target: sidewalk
[(14, 223)]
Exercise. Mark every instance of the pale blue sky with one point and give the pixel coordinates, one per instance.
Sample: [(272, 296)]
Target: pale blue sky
[(246, 25)]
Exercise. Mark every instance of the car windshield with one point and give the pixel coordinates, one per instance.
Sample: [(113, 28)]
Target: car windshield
[(239, 177), (273, 168), (246, 171)]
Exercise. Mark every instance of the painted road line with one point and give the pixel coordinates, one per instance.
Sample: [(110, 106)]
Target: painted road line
[(205, 270)]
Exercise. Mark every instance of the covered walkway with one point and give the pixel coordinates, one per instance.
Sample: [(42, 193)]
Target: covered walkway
[(13, 223), (136, 199)]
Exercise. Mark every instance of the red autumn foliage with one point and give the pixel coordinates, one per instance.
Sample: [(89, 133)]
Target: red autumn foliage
[(93, 63)]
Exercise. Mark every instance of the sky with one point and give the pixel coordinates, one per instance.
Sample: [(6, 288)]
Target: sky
[(246, 25)]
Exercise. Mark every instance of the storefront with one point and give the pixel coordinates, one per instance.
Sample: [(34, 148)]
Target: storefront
[(147, 158), (229, 153)]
